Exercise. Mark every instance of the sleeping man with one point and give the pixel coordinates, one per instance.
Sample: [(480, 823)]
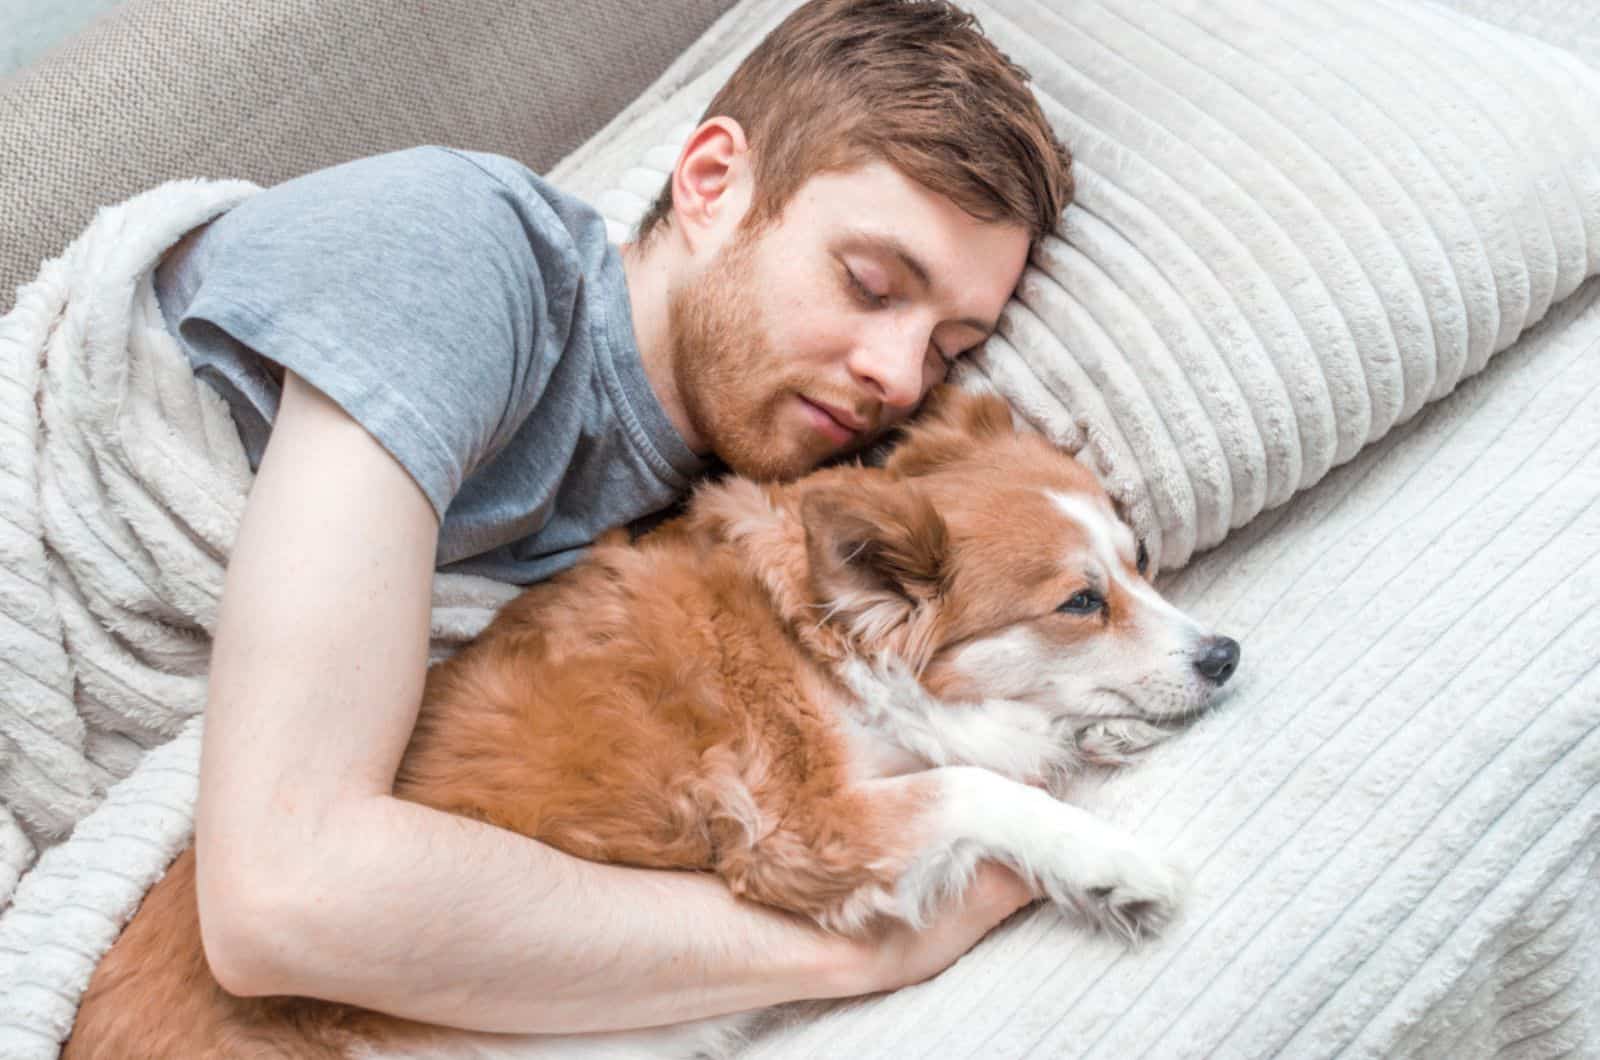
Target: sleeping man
[(437, 361)]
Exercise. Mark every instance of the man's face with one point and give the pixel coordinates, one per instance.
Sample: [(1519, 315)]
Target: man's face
[(814, 336)]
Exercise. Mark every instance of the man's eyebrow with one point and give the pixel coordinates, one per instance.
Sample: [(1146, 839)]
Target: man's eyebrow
[(892, 247)]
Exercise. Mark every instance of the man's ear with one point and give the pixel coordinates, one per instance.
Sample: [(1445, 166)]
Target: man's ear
[(712, 184), (877, 554), (950, 422)]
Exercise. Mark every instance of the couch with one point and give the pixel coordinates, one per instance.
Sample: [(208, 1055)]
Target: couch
[(1392, 829), (160, 89)]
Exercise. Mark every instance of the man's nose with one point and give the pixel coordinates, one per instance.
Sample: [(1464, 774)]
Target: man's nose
[(893, 371), (1217, 658)]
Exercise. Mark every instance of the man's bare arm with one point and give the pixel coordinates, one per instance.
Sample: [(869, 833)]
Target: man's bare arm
[(314, 880)]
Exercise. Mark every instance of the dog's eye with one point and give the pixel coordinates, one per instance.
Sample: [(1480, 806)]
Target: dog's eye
[(1143, 562), (1084, 603)]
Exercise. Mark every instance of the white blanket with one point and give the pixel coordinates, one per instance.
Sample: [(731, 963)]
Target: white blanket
[(121, 491)]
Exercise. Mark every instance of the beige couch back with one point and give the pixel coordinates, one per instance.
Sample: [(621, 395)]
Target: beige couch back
[(269, 89)]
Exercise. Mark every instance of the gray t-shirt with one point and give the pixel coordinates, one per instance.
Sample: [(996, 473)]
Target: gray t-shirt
[(470, 317)]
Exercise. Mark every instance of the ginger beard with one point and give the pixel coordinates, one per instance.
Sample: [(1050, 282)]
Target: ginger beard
[(741, 394)]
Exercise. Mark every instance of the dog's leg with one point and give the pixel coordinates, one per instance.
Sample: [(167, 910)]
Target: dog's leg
[(903, 846), (1075, 858)]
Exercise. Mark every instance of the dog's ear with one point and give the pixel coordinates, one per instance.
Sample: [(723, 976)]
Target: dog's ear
[(877, 551), (950, 423)]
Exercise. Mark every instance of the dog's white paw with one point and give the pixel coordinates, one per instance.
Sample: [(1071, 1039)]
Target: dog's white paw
[(1124, 890)]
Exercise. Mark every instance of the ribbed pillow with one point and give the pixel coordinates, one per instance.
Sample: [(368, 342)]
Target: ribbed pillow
[(1296, 224)]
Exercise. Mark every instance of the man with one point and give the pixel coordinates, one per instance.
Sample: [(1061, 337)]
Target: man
[(437, 361)]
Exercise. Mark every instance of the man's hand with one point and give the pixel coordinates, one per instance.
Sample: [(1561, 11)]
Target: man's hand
[(900, 956)]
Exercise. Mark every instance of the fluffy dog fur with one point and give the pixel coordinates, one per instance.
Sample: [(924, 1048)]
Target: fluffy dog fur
[(837, 694)]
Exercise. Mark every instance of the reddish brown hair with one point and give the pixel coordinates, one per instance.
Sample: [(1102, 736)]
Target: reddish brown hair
[(914, 83)]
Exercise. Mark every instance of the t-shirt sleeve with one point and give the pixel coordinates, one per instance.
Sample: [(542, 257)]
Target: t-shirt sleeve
[(415, 289)]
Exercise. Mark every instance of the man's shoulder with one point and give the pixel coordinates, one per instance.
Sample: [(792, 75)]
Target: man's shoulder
[(428, 202), (449, 184), (496, 173), (484, 165), (426, 184)]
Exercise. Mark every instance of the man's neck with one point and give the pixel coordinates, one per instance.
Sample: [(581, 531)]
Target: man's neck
[(649, 296)]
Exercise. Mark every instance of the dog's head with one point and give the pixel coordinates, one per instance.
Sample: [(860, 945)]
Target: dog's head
[(993, 566)]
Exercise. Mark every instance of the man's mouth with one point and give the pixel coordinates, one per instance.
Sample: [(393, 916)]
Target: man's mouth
[(840, 426)]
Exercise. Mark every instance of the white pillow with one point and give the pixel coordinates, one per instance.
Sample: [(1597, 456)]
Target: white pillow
[(1296, 224)]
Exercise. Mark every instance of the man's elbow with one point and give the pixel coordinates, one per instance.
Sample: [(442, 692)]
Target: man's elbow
[(250, 932)]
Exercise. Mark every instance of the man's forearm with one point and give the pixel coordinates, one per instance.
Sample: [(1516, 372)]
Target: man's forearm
[(441, 919)]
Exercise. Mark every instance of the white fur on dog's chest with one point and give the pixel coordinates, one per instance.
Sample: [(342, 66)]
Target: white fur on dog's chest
[(873, 754), (896, 726)]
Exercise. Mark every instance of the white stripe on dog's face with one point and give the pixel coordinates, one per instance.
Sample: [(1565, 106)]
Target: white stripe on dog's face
[(1131, 657), (1040, 601), (1115, 547)]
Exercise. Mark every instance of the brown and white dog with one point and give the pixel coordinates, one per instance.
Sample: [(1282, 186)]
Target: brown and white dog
[(837, 694)]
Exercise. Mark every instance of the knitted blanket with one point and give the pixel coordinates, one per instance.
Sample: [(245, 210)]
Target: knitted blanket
[(120, 494)]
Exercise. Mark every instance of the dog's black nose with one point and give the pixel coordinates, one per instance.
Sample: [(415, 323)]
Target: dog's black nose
[(1217, 659)]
